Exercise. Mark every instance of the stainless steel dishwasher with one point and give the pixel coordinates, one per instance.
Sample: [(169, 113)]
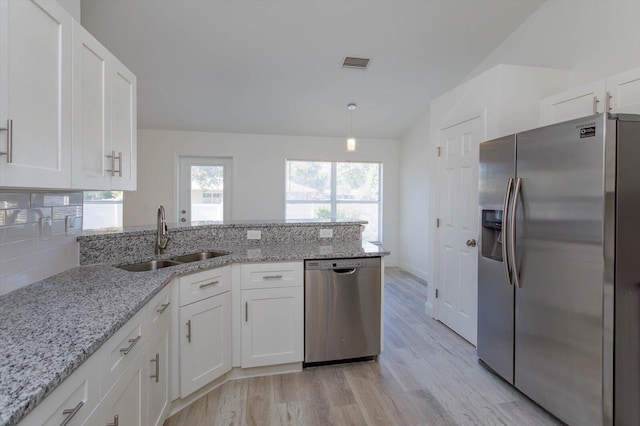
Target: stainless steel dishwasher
[(342, 309)]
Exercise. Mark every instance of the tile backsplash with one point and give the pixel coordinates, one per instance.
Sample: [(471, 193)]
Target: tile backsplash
[(34, 241)]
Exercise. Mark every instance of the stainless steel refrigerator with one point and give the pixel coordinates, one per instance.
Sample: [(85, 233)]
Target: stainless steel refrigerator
[(559, 267)]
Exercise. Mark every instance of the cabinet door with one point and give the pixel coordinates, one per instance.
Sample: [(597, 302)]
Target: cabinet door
[(205, 342), (158, 371), (272, 328), (624, 90), (575, 103), (91, 132), (35, 94), (123, 126), (127, 399)]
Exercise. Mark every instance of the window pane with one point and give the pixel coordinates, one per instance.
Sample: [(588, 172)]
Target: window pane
[(358, 181), (102, 209), (308, 180), (368, 212), (308, 211), (207, 189)]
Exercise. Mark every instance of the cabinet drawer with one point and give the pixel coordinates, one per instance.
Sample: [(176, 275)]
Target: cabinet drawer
[(73, 400), (159, 308), (271, 275), (118, 352), (202, 285)]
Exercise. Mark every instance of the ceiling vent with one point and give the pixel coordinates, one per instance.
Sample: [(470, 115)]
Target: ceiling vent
[(358, 63)]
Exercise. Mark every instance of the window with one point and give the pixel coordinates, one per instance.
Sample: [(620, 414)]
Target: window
[(336, 190), (102, 210)]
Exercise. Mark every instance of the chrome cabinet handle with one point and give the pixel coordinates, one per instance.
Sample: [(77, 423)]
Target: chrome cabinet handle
[(157, 375), (472, 243), (345, 271), (115, 421), (512, 234), (132, 344), (272, 277), (112, 170), (209, 284), (70, 413), (115, 157), (9, 151), (163, 307), (189, 331), (505, 239), (119, 158), (246, 311), (595, 105)]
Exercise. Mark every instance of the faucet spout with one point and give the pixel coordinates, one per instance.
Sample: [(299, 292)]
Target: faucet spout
[(162, 236)]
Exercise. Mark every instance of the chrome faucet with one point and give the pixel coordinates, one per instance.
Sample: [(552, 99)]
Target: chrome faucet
[(162, 237)]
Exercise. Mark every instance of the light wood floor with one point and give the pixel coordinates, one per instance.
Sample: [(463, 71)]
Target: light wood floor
[(427, 375)]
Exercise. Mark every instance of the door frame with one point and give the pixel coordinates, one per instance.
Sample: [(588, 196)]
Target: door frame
[(436, 197), (198, 160)]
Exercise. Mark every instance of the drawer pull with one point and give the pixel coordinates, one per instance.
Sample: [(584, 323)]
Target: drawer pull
[(163, 308), (189, 331), (272, 277), (70, 413), (209, 284), (157, 361), (9, 151), (246, 311), (132, 344), (115, 421)]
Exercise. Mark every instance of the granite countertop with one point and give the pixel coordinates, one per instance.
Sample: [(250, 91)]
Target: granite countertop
[(49, 328)]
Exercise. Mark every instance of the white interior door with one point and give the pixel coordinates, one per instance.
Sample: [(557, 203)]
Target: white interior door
[(204, 189), (456, 303)]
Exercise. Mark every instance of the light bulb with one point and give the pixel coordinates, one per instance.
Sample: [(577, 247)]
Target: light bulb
[(351, 144)]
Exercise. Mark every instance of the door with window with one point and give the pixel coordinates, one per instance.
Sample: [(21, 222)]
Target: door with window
[(457, 266), (204, 189)]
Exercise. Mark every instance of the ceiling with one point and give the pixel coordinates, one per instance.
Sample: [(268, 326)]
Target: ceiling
[(274, 67)]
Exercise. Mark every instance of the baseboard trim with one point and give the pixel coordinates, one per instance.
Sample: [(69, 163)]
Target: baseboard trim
[(423, 275)]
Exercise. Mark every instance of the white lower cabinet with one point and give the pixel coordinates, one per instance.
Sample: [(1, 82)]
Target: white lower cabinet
[(158, 375), (73, 401), (205, 342), (272, 330), (125, 404), (272, 313)]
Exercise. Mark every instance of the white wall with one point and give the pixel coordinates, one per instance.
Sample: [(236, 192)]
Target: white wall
[(416, 228), (591, 38), (258, 173)]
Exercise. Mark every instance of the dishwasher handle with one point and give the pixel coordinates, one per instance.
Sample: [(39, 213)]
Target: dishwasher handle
[(345, 271)]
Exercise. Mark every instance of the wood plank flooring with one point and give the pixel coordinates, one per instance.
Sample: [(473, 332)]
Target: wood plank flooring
[(427, 375)]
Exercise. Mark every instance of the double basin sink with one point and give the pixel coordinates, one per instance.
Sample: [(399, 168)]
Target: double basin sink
[(152, 265)]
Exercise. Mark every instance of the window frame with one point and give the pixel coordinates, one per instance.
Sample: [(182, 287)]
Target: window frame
[(333, 201)]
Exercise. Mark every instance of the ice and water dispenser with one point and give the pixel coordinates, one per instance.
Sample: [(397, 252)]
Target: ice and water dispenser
[(492, 234)]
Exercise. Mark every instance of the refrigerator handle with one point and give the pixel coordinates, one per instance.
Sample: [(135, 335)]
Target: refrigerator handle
[(505, 239), (512, 234)]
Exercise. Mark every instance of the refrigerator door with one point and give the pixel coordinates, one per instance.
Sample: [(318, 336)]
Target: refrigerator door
[(495, 294), (559, 305)]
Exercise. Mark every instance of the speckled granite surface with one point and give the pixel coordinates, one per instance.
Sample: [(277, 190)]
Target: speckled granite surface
[(49, 328), (136, 245)]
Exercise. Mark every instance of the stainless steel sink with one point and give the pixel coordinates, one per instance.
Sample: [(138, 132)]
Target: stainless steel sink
[(194, 257), (150, 265)]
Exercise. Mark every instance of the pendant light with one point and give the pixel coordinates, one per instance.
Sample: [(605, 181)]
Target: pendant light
[(351, 141)]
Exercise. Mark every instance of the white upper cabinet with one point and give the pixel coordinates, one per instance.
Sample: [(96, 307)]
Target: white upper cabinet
[(575, 103), (35, 94), (624, 89), (616, 94), (104, 117)]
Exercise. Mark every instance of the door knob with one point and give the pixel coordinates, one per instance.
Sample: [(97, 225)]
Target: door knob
[(184, 211), (472, 243), (184, 219)]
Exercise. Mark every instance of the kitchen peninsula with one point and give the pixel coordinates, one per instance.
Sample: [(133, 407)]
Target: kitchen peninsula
[(49, 330)]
